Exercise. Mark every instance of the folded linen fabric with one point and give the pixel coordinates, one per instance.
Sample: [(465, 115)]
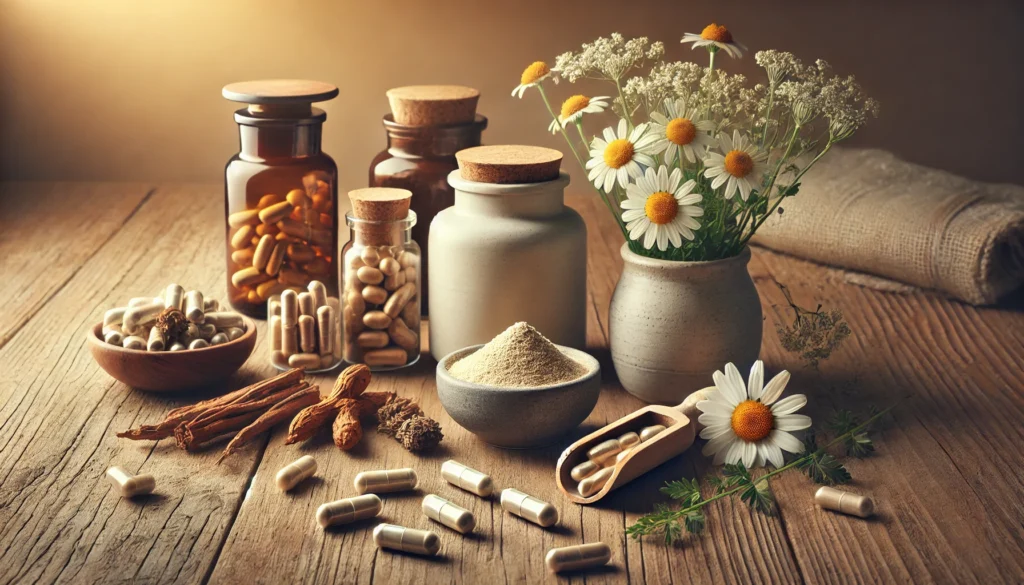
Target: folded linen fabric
[(868, 211)]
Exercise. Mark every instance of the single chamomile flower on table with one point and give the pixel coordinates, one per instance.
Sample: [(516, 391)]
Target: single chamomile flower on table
[(748, 423), (741, 168), (537, 71), (714, 37), (661, 209), (616, 156), (681, 132)]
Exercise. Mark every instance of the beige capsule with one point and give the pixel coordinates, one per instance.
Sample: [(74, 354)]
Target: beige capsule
[(324, 329), (844, 502), (178, 346), (604, 451), (156, 341), (292, 277), (393, 283), (369, 256), (389, 266), (411, 315), (244, 256), (398, 300), (376, 320), (368, 275), (374, 295), (300, 253), (295, 472), (304, 360), (223, 319), (385, 481), (131, 485), (274, 306), (408, 260), (403, 336), (276, 212), (372, 339), (593, 484), (245, 217), (451, 515), (264, 229), (528, 507), (207, 331), (219, 339), (113, 336), (198, 344), (243, 237), (134, 342), (275, 333), (279, 360), (355, 299), (267, 289), (114, 316), (234, 333), (263, 251), (268, 200), (353, 322), (276, 259), (410, 274), (318, 291), (575, 558), (289, 308), (348, 510), (584, 470), (467, 478), (307, 334), (297, 197), (211, 305), (648, 433), (247, 277), (306, 305), (622, 455), (174, 297), (411, 540), (137, 317), (392, 356), (194, 307), (629, 440), (335, 306)]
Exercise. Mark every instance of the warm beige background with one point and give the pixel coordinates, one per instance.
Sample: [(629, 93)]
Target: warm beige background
[(130, 89)]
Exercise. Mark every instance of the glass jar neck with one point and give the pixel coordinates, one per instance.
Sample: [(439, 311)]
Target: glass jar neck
[(390, 236), (259, 143), (432, 141)]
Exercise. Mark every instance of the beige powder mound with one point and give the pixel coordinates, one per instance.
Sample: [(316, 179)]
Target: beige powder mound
[(519, 357)]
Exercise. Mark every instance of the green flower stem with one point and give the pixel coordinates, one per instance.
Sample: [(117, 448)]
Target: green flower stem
[(625, 114)]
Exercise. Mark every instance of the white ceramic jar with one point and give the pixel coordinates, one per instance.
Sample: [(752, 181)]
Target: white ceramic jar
[(503, 254)]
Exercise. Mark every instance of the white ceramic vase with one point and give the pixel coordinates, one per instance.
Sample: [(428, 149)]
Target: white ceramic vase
[(502, 254), (672, 324)]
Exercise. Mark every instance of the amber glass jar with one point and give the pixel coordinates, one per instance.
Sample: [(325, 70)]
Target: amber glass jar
[(419, 158), (280, 194)]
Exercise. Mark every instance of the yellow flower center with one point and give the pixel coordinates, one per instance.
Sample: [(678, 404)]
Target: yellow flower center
[(752, 421), (681, 131), (738, 163), (534, 72), (574, 104), (661, 208), (618, 153), (715, 32)]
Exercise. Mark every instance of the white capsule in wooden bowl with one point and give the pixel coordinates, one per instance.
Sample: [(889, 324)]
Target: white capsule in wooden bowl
[(451, 515), (593, 484), (844, 502), (467, 478), (296, 472), (131, 485), (133, 342), (410, 540), (575, 558), (195, 309), (385, 481), (648, 433), (584, 470), (174, 297), (348, 510), (528, 507)]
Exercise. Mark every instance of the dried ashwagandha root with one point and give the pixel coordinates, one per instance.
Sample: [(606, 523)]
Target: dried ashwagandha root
[(347, 388)]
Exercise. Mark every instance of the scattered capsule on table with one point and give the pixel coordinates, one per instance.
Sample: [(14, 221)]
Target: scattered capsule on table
[(584, 470), (844, 502), (593, 484), (528, 507), (131, 485), (467, 478), (385, 480), (581, 556), (411, 540), (648, 433), (451, 515), (295, 472), (348, 510)]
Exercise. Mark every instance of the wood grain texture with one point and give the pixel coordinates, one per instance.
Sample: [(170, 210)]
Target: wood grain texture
[(947, 479)]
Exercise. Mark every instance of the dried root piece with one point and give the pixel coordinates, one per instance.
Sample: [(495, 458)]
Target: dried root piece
[(349, 385), (347, 429), (396, 411), (419, 433), (171, 322), (281, 411)]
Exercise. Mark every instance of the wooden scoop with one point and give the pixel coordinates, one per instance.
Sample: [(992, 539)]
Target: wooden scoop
[(677, 437)]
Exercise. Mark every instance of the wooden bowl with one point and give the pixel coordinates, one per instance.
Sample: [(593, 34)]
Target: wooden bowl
[(171, 371)]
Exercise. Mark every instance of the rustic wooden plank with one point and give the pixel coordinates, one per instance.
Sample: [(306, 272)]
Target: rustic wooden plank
[(59, 519), (50, 230), (946, 482)]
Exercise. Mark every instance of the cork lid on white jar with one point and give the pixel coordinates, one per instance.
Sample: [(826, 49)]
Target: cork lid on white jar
[(509, 164), (433, 105)]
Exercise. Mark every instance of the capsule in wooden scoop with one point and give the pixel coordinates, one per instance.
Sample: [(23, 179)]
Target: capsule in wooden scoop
[(844, 502), (528, 507), (604, 451), (584, 470), (467, 478), (421, 542), (385, 480), (648, 433), (348, 510), (455, 517), (131, 485), (296, 472), (574, 558), (593, 484)]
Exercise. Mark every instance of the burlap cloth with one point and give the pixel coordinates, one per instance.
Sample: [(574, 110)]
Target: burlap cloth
[(867, 211)]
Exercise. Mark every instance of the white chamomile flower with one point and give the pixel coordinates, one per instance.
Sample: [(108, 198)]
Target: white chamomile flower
[(660, 209), (747, 422), (617, 156), (681, 131), (740, 168), (532, 75), (575, 107), (717, 37)]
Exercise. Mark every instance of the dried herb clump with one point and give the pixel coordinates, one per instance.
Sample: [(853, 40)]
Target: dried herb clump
[(395, 412), (171, 322), (815, 335), (419, 433)]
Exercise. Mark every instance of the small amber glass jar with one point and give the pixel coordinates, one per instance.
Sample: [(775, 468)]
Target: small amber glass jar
[(381, 275), (419, 158), (280, 194)]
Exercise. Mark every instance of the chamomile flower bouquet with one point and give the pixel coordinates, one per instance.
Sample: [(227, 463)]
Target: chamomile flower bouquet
[(695, 159)]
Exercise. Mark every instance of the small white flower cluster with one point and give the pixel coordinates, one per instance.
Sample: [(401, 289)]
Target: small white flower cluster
[(611, 57), (675, 79), (813, 90)]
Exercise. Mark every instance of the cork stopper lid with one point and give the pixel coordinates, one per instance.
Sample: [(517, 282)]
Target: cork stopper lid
[(509, 164), (279, 97), (380, 203), (433, 105)]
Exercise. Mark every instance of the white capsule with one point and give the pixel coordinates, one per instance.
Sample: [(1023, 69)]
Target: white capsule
[(223, 319), (174, 297), (385, 480), (584, 470), (234, 333), (604, 451), (210, 305), (628, 440), (622, 455), (194, 307), (467, 478), (207, 331), (844, 502), (348, 510), (131, 485), (156, 340), (528, 507), (451, 515), (133, 342), (594, 483), (421, 542), (648, 433), (114, 317), (113, 337), (295, 472), (198, 344), (219, 339), (178, 346), (137, 317), (574, 558)]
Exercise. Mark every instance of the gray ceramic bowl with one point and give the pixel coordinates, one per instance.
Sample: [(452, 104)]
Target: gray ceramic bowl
[(519, 418)]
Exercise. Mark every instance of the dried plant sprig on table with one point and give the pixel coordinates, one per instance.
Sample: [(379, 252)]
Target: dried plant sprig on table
[(818, 464), (396, 411), (419, 433), (814, 335), (172, 323)]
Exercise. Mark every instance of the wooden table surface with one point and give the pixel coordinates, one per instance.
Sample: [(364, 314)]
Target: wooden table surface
[(947, 477)]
